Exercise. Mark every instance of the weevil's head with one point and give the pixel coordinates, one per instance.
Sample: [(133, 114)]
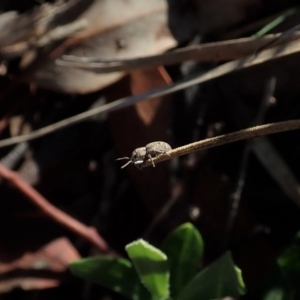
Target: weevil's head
[(138, 156)]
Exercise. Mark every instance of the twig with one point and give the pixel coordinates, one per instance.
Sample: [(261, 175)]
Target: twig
[(227, 139), (267, 55), (14, 156), (277, 38), (217, 51), (88, 233), (257, 25)]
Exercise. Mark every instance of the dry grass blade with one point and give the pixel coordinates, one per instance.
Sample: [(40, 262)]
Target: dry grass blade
[(227, 138), (218, 51), (277, 168), (267, 55)]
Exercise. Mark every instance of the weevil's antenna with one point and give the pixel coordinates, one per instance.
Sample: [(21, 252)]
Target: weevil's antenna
[(129, 162)]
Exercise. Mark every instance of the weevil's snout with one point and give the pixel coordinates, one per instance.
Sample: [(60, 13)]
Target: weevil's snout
[(137, 158)]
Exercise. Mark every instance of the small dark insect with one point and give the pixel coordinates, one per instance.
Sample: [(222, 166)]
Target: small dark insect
[(121, 43), (139, 155)]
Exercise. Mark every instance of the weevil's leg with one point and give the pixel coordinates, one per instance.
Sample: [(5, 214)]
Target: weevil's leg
[(167, 153), (121, 158), (149, 156), (129, 162)]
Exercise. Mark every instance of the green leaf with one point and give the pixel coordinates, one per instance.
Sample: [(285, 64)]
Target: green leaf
[(220, 279), (184, 248), (116, 274), (289, 263), (152, 267), (276, 286), (279, 293), (274, 23)]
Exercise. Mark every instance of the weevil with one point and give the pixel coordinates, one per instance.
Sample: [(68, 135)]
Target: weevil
[(139, 155)]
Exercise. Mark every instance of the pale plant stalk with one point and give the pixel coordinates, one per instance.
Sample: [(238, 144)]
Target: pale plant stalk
[(240, 135)]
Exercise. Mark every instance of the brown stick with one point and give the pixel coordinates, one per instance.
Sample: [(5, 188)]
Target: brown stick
[(227, 138), (217, 51), (88, 233)]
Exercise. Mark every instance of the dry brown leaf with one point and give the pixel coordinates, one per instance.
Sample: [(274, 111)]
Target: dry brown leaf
[(116, 30), (139, 125), (141, 29), (26, 272), (16, 29)]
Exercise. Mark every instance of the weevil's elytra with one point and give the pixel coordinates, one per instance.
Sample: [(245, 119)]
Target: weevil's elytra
[(156, 148)]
